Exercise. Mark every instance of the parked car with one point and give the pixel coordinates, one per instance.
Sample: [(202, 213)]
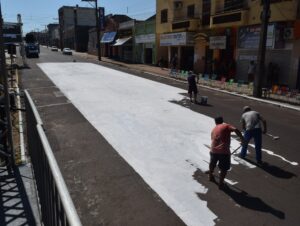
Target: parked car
[(54, 48), (67, 51)]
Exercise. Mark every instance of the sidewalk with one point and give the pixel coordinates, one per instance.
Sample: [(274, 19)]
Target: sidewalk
[(157, 71), (18, 202)]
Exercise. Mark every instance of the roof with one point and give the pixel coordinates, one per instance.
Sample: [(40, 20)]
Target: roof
[(119, 18), (151, 18)]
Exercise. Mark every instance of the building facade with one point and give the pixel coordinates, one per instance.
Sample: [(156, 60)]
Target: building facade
[(124, 46), (221, 37), (110, 34), (74, 23), (53, 34), (176, 24), (231, 41), (145, 42)]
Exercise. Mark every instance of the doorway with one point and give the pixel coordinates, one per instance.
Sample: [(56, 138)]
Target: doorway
[(208, 60), (187, 58), (298, 76), (148, 56)]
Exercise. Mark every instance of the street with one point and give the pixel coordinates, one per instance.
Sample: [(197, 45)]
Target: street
[(133, 150)]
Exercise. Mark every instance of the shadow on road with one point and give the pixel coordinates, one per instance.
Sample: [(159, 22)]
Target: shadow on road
[(242, 198), (14, 204), (238, 196), (185, 102), (273, 170)]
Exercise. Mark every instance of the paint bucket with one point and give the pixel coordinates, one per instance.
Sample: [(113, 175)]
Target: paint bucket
[(203, 100)]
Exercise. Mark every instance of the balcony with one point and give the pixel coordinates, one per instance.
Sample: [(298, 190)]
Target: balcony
[(232, 18)]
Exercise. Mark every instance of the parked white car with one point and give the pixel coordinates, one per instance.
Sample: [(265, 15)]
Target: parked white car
[(67, 51), (54, 48)]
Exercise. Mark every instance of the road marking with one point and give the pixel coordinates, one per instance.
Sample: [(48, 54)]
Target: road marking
[(53, 105), (276, 155)]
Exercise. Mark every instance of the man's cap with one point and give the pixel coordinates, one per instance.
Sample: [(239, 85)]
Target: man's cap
[(190, 72), (246, 108)]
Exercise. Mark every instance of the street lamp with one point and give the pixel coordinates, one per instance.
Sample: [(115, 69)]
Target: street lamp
[(97, 27)]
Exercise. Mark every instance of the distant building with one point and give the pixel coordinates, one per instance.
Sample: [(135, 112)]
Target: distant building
[(124, 46), (108, 34), (74, 23), (145, 42), (53, 34)]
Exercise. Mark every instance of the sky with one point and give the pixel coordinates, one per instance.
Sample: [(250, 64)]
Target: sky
[(36, 14)]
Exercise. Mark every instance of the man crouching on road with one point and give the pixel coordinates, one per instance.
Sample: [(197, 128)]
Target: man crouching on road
[(220, 149)]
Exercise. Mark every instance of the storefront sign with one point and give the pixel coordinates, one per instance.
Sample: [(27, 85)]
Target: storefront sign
[(249, 37), (177, 39), (108, 37), (217, 42), (12, 32), (149, 38)]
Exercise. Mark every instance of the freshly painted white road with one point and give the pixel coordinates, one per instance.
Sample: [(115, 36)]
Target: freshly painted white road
[(158, 138)]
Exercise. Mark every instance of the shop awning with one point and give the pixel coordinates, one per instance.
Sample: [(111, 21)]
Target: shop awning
[(121, 41), (108, 37)]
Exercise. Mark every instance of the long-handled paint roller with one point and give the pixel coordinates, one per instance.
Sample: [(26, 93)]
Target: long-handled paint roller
[(272, 136), (235, 150)]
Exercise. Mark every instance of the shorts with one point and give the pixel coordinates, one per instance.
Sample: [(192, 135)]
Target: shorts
[(193, 89), (223, 159)]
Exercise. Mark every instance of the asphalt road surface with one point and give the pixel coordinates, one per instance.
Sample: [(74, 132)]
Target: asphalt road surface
[(107, 190)]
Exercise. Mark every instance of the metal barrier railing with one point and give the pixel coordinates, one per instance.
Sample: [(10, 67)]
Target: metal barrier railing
[(56, 205)]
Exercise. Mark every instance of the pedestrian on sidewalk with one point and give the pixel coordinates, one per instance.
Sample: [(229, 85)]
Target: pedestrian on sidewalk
[(173, 64), (192, 86), (251, 124), (161, 63), (251, 71), (220, 149)]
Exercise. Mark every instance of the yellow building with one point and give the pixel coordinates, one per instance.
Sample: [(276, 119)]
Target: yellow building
[(176, 24), (232, 40), (221, 37)]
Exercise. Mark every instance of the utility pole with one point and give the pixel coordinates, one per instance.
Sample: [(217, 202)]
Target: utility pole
[(98, 30), (75, 27), (97, 26), (22, 47), (259, 75), (3, 79)]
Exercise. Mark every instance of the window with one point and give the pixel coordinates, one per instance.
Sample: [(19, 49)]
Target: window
[(164, 16), (191, 11), (178, 4), (206, 6)]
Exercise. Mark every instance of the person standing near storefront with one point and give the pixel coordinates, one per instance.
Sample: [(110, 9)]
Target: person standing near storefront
[(174, 62), (251, 71)]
